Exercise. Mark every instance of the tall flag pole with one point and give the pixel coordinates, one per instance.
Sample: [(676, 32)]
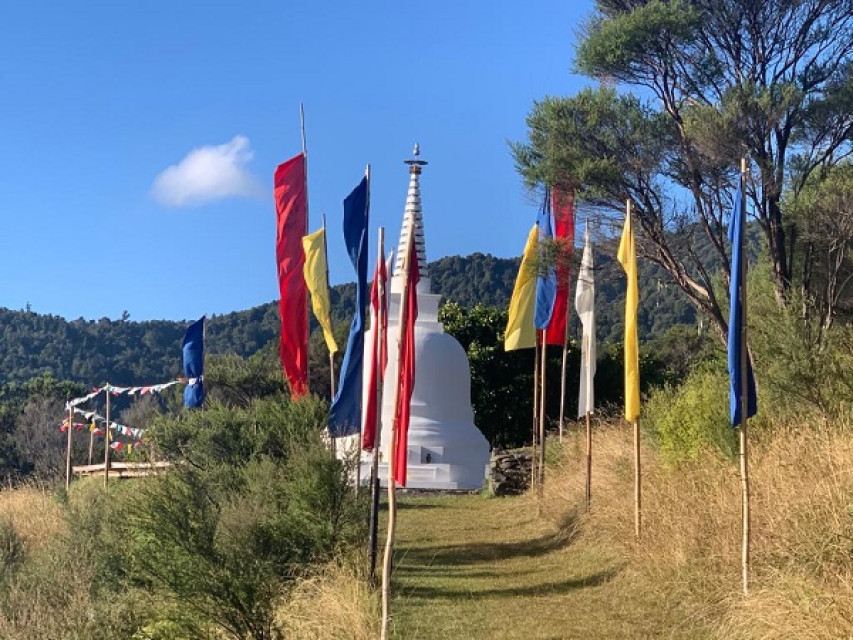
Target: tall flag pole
[(307, 331), (68, 447), (628, 259), (563, 205), (331, 343), (585, 306), (372, 431), (106, 437), (345, 412), (402, 406), (743, 402), (546, 297), (291, 200), (192, 351), (316, 273), (520, 331)]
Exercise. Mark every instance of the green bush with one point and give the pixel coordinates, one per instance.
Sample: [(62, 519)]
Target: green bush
[(687, 419)]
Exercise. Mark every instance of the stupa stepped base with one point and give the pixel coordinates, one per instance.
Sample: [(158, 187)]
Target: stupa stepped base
[(437, 476)]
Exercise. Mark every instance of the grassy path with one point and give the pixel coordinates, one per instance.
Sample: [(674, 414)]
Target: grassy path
[(472, 567)]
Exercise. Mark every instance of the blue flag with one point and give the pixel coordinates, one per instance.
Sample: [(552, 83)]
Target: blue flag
[(736, 231), (546, 282), (345, 413), (193, 357)]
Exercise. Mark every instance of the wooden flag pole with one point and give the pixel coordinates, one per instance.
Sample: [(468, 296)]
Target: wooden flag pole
[(744, 391), (107, 438), (331, 355), (534, 458), (91, 443), (392, 493), (68, 447), (563, 374), (542, 416), (373, 525), (305, 233), (588, 491), (637, 478)]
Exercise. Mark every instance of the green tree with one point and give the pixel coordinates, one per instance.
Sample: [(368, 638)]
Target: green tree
[(768, 80)]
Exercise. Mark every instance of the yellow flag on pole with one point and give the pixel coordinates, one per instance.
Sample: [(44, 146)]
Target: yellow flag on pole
[(520, 331), (315, 272), (628, 257)]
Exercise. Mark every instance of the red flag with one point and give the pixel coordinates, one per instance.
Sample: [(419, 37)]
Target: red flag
[(406, 371), (377, 371), (291, 208), (563, 206)]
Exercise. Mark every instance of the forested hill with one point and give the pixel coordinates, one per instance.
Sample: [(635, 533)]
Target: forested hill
[(126, 352)]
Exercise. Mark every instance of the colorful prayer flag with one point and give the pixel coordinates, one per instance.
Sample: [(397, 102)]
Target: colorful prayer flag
[(735, 343), (585, 307), (520, 332), (563, 205), (316, 275), (546, 280), (345, 412), (628, 258), (379, 351), (192, 349), (291, 207), (406, 366)]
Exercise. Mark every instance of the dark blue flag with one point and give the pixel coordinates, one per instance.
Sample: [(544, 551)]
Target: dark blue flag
[(546, 282), (193, 356), (736, 231), (345, 413)]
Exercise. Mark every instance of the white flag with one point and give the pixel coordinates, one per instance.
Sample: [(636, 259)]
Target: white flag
[(585, 306)]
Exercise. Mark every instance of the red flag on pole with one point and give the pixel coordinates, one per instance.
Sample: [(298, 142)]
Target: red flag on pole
[(563, 206), (406, 370), (379, 350), (291, 208)]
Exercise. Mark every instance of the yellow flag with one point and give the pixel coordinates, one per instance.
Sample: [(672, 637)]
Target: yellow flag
[(314, 271), (520, 331), (628, 258)]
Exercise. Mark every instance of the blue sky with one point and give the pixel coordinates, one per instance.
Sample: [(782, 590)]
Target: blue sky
[(101, 98)]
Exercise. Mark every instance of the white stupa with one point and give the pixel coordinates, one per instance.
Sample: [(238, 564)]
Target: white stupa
[(445, 448)]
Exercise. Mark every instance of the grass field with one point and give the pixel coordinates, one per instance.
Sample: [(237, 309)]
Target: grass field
[(472, 567), (476, 567)]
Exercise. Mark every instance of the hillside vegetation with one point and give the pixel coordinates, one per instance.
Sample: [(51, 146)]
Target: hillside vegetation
[(126, 352)]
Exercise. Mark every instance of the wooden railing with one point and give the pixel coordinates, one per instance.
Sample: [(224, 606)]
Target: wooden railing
[(121, 470)]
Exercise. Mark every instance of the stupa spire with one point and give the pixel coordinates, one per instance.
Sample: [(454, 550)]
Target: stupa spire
[(413, 219)]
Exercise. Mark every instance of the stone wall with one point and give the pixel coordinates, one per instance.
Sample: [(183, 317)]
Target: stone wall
[(509, 472)]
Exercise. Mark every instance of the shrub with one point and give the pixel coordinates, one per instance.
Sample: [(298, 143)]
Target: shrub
[(687, 419)]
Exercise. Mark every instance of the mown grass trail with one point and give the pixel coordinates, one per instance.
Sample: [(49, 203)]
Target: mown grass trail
[(473, 567)]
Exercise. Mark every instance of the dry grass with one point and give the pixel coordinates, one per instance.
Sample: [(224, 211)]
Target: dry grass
[(334, 604), (802, 529), (35, 515)]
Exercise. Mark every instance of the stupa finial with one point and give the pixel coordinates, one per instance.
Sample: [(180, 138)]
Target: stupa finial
[(413, 219)]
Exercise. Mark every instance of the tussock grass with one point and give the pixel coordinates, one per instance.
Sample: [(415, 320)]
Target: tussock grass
[(334, 604), (35, 515), (801, 477)]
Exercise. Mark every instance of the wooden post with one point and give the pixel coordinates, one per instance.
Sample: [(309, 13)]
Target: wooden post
[(107, 438), (637, 476), (374, 466), (542, 416), (563, 376), (68, 447), (744, 391), (588, 491), (392, 493), (534, 457), (305, 233), (91, 442)]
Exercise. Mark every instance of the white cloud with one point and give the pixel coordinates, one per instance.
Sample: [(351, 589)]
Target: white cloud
[(207, 174)]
